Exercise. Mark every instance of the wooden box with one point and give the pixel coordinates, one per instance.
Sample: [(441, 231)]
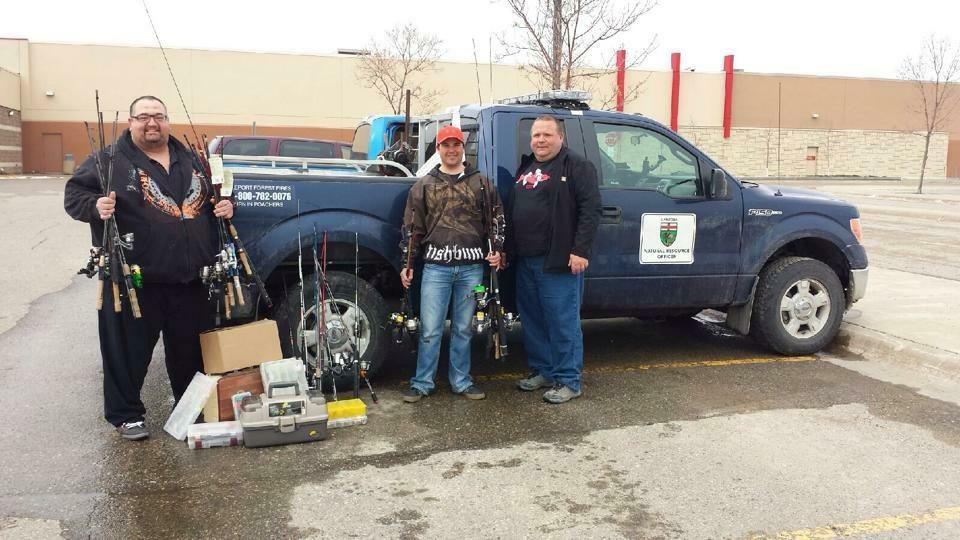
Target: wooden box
[(239, 381)]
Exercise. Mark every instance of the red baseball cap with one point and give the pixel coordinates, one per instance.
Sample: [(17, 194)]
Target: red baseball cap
[(449, 132)]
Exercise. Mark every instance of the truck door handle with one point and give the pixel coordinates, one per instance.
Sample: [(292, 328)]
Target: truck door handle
[(610, 214)]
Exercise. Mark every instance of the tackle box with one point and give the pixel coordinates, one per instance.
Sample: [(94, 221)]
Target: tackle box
[(270, 420), (213, 434)]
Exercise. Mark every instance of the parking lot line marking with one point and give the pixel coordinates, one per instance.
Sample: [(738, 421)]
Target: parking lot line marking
[(665, 365), (867, 526)]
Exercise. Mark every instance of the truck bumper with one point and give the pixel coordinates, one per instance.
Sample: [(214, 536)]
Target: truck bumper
[(858, 285)]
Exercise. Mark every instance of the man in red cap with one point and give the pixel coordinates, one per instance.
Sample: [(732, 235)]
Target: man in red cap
[(445, 214)]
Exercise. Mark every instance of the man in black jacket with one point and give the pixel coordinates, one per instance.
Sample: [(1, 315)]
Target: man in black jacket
[(157, 196), (555, 211)]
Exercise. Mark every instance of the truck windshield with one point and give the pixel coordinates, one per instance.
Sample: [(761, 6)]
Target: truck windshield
[(361, 140), (247, 147), (307, 149)]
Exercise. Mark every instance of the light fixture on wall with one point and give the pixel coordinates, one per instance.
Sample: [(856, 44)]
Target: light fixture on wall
[(51, 93), (11, 113), (814, 116)]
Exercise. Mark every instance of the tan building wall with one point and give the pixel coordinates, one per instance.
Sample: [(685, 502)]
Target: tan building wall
[(320, 96), (841, 103), (11, 146), (9, 89), (752, 152)]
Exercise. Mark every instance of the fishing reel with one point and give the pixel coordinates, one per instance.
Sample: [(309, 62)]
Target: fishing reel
[(214, 274), (91, 268), (481, 323), (126, 241), (402, 322)]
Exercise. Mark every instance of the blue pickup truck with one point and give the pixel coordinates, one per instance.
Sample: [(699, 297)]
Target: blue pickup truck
[(678, 233)]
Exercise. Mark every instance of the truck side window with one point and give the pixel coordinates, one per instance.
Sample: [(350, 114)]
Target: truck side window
[(247, 147), (635, 158)]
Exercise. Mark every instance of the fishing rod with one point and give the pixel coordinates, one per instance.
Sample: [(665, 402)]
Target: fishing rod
[(199, 155), (488, 299), (115, 232), (356, 303), (112, 244), (405, 320), (320, 308), (303, 317), (339, 361)]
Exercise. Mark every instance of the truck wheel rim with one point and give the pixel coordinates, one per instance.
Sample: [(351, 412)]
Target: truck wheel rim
[(805, 308), (338, 334)]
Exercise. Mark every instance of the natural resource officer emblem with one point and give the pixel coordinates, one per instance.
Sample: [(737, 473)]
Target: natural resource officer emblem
[(667, 238), (668, 231)]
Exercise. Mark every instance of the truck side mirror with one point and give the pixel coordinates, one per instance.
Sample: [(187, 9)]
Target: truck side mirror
[(718, 188)]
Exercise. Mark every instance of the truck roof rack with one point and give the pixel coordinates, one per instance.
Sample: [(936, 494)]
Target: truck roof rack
[(315, 166), (558, 99)]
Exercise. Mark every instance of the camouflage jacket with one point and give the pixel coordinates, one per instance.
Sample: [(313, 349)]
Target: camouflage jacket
[(450, 219)]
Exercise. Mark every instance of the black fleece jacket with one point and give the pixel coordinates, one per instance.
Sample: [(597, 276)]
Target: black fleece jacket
[(170, 215), (575, 211)]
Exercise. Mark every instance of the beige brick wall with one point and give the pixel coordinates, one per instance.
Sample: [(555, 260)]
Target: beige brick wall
[(11, 141), (753, 151)]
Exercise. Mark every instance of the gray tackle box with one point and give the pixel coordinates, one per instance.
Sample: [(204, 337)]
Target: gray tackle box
[(270, 420)]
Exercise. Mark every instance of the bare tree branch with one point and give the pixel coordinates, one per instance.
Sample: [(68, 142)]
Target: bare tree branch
[(556, 38), (399, 63), (935, 72)]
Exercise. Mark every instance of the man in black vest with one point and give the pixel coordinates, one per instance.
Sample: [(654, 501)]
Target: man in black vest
[(157, 196), (555, 211)]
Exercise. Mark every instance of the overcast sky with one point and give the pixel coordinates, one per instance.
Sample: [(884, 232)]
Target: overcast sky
[(819, 37)]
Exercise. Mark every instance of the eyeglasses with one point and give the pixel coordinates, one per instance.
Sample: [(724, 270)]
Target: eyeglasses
[(144, 118)]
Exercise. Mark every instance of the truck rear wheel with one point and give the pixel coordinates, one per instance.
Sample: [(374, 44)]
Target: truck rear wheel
[(798, 306), (364, 324)]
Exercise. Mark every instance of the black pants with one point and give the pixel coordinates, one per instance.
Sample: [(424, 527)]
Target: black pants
[(181, 312)]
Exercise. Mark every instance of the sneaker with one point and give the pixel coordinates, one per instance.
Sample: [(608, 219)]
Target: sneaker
[(560, 393), (133, 431), (533, 381), (472, 392), (413, 395)]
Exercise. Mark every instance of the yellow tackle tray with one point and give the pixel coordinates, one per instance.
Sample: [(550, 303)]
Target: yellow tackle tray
[(346, 408)]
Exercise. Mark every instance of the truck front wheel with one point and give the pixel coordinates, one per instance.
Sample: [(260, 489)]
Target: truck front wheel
[(347, 319), (798, 306)]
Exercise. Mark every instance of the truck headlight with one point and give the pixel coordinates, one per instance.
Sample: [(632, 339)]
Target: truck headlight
[(856, 230)]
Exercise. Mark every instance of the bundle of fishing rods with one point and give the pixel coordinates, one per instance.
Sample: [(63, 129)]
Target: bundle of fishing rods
[(222, 277), (108, 259), (330, 364)]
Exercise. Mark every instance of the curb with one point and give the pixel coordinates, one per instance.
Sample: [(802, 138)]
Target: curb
[(772, 179), (864, 343)]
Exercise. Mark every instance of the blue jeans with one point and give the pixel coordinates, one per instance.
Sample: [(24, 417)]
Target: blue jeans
[(549, 306), (437, 285)]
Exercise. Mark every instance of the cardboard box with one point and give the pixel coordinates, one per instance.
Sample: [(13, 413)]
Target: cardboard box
[(211, 409), (247, 380), (238, 347)]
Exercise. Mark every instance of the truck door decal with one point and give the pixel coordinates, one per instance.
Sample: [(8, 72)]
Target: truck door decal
[(667, 238), (264, 195)]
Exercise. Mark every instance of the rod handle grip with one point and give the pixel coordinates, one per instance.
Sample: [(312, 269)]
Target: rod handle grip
[(236, 287), (117, 306), (134, 303)]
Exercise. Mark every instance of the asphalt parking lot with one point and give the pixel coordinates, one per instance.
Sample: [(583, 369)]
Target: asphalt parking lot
[(684, 431)]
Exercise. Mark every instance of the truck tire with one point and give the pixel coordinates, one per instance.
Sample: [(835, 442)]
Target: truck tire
[(798, 306), (374, 335)]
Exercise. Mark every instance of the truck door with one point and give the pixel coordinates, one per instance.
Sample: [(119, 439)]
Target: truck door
[(662, 243)]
